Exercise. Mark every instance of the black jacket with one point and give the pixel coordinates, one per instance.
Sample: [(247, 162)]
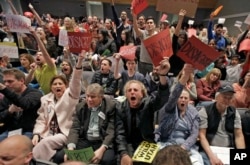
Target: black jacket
[(110, 86), (81, 122), (29, 101), (214, 118), (145, 118)]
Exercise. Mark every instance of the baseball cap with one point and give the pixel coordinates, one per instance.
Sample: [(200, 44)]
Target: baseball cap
[(226, 88)]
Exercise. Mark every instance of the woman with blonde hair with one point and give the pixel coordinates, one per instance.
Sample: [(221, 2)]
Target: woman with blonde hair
[(68, 25), (207, 86), (203, 36)]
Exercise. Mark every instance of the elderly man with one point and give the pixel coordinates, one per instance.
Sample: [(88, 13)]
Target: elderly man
[(18, 109), (220, 125), (135, 116), (93, 126), (17, 150)]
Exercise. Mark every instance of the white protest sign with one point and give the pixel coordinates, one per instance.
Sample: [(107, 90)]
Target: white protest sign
[(247, 20), (238, 23), (223, 153), (190, 22), (10, 50), (18, 23), (63, 38), (221, 20)]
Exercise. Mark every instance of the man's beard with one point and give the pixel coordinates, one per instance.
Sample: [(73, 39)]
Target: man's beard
[(155, 77)]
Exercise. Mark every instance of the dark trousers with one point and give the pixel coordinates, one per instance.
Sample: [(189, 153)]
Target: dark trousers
[(108, 158)]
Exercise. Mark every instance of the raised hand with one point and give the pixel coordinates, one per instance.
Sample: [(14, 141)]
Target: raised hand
[(164, 67), (31, 6), (182, 12)]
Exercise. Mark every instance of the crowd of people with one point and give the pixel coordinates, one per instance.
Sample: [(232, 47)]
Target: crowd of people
[(53, 104)]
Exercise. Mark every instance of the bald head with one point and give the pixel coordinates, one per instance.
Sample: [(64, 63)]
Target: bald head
[(18, 141), (73, 163), (16, 150)]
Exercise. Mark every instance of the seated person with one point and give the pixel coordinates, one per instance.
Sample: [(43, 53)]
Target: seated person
[(26, 60), (105, 77), (126, 75), (208, 85), (220, 125), (234, 69), (135, 115), (93, 126), (179, 120), (56, 113), (105, 46), (17, 150), (190, 86), (18, 109)]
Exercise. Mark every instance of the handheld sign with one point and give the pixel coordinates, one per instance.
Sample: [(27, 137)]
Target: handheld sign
[(79, 41), (128, 52), (247, 20), (83, 155), (63, 38), (145, 152), (18, 23), (191, 32), (159, 46), (190, 22), (139, 5), (217, 11), (221, 20), (245, 45), (163, 17), (238, 23), (197, 53), (9, 49), (174, 6)]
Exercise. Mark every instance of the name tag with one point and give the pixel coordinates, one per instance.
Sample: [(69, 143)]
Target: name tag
[(102, 115)]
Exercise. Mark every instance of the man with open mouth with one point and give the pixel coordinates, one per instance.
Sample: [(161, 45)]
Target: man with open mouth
[(135, 116)]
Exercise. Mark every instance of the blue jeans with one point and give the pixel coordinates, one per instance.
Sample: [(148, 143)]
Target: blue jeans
[(205, 158), (4, 135)]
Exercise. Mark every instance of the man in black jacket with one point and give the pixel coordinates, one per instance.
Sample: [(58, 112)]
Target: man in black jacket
[(18, 109), (105, 77), (135, 116)]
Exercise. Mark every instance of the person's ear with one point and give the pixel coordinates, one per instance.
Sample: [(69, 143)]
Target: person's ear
[(28, 157)]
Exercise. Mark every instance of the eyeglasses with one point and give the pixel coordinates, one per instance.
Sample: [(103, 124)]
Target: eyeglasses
[(150, 22)]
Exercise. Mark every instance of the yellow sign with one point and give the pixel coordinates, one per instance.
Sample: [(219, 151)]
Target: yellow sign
[(145, 152)]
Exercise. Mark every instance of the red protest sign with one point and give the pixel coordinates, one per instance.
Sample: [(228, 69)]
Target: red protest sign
[(128, 52), (79, 41), (164, 17), (197, 53), (245, 45), (159, 46), (139, 5)]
